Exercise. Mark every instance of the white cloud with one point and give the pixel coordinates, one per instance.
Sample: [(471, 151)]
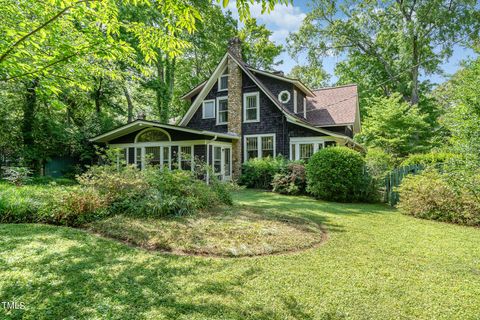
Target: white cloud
[(281, 20)]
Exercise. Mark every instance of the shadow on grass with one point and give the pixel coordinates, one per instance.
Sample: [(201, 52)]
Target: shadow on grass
[(97, 278), (288, 207)]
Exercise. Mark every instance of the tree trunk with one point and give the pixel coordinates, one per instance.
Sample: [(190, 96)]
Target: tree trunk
[(129, 104), (28, 123)]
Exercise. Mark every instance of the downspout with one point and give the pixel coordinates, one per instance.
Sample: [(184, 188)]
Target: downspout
[(208, 157)]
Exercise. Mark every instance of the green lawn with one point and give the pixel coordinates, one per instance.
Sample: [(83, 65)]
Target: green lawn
[(376, 264)]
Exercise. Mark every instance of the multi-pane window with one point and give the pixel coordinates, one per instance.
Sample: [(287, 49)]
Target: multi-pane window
[(267, 146), (303, 148), (186, 158), (252, 147), (217, 159), (152, 155), (152, 135), (208, 109), (306, 151), (222, 113), (227, 162), (166, 157), (259, 146), (223, 82), (251, 104), (139, 158)]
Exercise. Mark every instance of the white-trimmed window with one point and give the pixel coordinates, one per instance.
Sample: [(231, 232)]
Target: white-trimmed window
[(223, 82), (302, 148), (295, 102), (259, 146), (208, 109), (305, 107), (222, 110), (251, 107), (185, 157)]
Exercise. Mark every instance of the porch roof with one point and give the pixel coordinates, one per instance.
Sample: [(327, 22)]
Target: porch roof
[(142, 124)]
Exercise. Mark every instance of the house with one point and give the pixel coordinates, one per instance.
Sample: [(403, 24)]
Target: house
[(241, 113)]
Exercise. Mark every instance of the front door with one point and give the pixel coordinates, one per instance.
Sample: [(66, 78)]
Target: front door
[(222, 162)]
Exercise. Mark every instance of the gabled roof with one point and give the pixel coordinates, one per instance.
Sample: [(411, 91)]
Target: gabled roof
[(333, 106), (141, 124), (194, 91), (290, 116), (296, 82)]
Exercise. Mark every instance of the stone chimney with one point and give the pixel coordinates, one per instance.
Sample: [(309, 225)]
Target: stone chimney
[(235, 47), (235, 104)]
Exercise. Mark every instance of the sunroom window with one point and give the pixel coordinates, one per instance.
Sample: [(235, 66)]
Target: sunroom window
[(259, 146), (152, 135)]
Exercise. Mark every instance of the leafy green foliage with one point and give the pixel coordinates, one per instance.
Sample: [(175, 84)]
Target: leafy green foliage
[(107, 190), (16, 175), (312, 74), (292, 180), (428, 159), (395, 127), (257, 49), (430, 195), (378, 163), (338, 174), (259, 172)]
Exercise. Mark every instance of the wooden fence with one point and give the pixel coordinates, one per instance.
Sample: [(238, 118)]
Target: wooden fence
[(394, 179)]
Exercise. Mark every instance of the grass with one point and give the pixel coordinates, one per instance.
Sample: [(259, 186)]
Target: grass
[(225, 231), (376, 264)]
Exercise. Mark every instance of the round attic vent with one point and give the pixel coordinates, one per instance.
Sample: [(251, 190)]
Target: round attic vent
[(284, 96)]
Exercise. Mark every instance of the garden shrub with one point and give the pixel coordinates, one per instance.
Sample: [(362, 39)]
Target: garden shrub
[(259, 172), (292, 181), (116, 184), (17, 175), (338, 174), (428, 159), (379, 163), (429, 195), (75, 207)]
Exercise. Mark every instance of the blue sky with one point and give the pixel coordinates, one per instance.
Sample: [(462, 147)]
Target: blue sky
[(285, 19)]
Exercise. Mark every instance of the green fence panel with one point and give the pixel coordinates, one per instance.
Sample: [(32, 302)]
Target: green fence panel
[(394, 179)]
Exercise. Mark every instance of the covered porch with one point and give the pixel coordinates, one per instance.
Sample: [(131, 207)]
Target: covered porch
[(144, 143)]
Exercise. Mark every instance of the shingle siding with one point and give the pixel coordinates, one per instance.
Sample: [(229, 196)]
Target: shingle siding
[(208, 124), (272, 120)]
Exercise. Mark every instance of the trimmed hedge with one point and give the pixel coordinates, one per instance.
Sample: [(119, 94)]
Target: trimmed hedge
[(338, 174)]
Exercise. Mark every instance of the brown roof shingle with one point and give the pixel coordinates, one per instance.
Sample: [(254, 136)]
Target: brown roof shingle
[(333, 106)]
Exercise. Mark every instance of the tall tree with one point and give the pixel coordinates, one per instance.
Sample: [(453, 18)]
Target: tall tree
[(387, 44), (258, 50), (313, 75)]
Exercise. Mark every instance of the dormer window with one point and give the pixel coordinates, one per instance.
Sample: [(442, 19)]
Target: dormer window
[(284, 96), (223, 82)]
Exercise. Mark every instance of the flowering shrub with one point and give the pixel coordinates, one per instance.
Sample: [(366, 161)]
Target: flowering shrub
[(292, 181)]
